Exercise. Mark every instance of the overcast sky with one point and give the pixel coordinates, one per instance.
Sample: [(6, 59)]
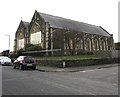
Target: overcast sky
[(97, 12)]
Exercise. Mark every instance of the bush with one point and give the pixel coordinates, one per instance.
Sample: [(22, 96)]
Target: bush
[(33, 48), (29, 47), (19, 52)]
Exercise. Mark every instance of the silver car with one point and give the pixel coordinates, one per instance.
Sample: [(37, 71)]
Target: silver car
[(5, 60)]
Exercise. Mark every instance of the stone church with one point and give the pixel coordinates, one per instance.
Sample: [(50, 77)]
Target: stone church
[(60, 35)]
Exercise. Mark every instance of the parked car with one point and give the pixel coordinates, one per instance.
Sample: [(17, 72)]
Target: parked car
[(24, 62), (4, 60)]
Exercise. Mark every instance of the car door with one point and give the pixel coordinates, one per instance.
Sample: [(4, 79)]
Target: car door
[(17, 61)]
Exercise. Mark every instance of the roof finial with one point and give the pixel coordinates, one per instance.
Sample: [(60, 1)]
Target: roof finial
[(21, 18), (35, 10)]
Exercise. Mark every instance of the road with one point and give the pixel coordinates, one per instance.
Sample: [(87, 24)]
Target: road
[(32, 82)]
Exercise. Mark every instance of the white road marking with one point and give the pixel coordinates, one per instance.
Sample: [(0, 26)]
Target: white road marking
[(89, 70)]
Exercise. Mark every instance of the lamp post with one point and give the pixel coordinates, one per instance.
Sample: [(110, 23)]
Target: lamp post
[(9, 40)]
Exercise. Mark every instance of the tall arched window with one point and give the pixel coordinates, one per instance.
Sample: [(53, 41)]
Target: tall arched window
[(96, 45), (21, 43), (36, 34), (103, 44), (20, 40), (88, 44), (81, 44)]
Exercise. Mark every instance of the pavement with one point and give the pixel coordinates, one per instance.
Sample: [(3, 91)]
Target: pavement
[(73, 69)]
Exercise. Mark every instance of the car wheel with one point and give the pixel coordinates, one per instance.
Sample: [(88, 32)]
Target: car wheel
[(34, 68), (14, 67), (25, 68), (21, 67)]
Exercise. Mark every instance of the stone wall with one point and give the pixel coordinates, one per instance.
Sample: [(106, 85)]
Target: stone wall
[(109, 54), (115, 53), (82, 62)]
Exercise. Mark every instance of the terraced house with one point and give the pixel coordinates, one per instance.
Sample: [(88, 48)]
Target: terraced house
[(64, 36)]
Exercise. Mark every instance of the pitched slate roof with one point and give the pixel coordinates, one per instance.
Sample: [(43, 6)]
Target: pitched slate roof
[(59, 22), (26, 24)]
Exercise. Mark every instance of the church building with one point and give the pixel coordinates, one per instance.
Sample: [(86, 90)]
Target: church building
[(56, 34)]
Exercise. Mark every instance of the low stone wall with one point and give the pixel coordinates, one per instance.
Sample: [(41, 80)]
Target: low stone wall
[(109, 53), (82, 62), (115, 53), (54, 63)]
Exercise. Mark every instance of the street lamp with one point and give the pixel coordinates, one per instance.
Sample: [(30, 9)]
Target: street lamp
[(9, 40)]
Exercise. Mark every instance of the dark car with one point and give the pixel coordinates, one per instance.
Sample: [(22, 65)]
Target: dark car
[(24, 62)]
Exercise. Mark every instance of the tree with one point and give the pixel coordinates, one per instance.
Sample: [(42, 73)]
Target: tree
[(71, 39)]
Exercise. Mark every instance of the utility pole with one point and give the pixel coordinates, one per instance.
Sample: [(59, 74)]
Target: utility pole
[(9, 40)]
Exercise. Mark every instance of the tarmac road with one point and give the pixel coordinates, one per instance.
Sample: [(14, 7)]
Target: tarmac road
[(102, 81)]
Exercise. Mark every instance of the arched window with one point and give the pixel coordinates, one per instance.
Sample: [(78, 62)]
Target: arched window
[(21, 43), (103, 44), (36, 35), (109, 44), (96, 44), (88, 44), (81, 44), (20, 40)]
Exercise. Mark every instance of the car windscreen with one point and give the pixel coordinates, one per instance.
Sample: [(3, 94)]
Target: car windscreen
[(5, 58), (29, 59)]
